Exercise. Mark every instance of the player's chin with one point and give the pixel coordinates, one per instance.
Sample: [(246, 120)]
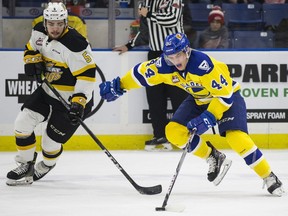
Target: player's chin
[(54, 36)]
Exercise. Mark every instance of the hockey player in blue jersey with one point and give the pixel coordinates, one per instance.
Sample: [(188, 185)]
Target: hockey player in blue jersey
[(214, 99)]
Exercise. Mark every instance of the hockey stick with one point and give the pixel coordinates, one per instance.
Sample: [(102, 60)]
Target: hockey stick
[(102, 77), (163, 207), (142, 190)]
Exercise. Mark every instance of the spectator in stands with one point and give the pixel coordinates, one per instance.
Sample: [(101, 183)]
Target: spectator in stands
[(74, 21), (216, 36), (281, 34)]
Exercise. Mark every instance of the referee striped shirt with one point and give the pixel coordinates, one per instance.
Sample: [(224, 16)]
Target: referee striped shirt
[(164, 18)]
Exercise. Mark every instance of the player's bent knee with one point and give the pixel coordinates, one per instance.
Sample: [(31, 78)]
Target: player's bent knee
[(177, 134), (26, 122), (50, 145)]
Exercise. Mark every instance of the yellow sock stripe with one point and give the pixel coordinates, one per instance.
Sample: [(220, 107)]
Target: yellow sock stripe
[(26, 147)]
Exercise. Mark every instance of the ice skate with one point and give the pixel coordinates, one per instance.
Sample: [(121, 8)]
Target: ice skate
[(41, 170), (158, 144), (218, 165), (23, 174), (274, 185)]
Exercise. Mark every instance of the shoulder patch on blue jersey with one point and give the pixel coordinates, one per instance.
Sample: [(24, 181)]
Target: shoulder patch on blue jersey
[(158, 63), (204, 65), (162, 66), (199, 63)]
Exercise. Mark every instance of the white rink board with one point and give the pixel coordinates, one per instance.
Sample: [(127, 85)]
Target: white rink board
[(124, 116)]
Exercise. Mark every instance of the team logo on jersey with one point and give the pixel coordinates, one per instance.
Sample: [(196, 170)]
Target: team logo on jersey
[(53, 76), (39, 41), (204, 65), (53, 73), (193, 87), (175, 79), (158, 63)]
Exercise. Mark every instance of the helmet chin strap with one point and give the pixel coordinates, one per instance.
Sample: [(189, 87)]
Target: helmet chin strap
[(188, 52)]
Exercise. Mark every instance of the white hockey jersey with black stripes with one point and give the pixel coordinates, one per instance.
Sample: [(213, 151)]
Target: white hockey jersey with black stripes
[(70, 67)]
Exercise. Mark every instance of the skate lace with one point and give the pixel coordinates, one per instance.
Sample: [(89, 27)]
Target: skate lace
[(41, 169), (212, 164), (22, 168)]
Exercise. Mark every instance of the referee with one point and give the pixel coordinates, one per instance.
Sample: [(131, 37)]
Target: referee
[(164, 17)]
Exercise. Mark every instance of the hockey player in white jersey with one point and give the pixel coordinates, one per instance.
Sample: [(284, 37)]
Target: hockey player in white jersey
[(61, 55)]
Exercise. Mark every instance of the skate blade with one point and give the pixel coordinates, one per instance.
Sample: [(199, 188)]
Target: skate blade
[(224, 169), (159, 147), (23, 182)]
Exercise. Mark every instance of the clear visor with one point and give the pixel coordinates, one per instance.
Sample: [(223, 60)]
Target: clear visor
[(177, 58)]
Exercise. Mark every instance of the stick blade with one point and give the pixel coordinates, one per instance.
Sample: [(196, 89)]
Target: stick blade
[(172, 208), (150, 190), (160, 209)]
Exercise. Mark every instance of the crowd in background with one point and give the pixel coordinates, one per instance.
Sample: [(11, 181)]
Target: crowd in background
[(222, 35)]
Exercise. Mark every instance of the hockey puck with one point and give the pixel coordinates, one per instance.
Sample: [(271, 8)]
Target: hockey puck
[(160, 209)]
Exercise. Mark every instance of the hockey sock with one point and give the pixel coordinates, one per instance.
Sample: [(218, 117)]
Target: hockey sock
[(242, 143)]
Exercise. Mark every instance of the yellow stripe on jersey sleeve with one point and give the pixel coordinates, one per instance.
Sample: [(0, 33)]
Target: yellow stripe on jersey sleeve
[(85, 78), (29, 46), (64, 87), (82, 70)]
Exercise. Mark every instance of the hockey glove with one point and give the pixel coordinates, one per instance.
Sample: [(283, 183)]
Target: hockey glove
[(202, 123), (76, 111), (34, 65), (110, 91)]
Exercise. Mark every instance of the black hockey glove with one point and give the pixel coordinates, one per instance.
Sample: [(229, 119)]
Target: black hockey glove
[(76, 111), (34, 65)]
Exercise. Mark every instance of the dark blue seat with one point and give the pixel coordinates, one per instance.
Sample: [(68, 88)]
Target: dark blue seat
[(253, 39), (274, 13), (243, 16), (199, 13), (31, 3)]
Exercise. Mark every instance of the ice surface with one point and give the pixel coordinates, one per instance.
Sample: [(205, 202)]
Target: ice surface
[(87, 183)]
